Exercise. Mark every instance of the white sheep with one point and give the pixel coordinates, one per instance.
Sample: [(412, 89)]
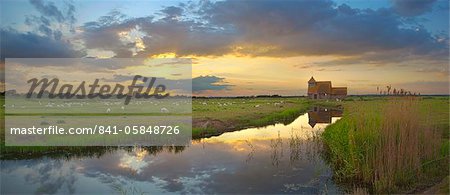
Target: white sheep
[(164, 110), (257, 106), (108, 110)]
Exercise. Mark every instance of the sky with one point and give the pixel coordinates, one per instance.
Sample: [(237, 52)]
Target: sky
[(242, 47)]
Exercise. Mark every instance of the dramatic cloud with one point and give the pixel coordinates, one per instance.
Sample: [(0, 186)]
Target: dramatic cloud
[(204, 83), (104, 34), (168, 34), (51, 13), (317, 28), (412, 7), (46, 39), (48, 9), (28, 45), (266, 28), (172, 13)]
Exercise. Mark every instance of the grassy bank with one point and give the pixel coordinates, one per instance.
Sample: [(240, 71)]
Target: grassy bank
[(215, 116), (390, 145), (210, 117)]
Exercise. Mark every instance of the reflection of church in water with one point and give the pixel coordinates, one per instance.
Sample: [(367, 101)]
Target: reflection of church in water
[(322, 115)]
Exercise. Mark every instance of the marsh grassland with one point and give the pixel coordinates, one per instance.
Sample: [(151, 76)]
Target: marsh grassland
[(380, 145), (390, 145), (211, 116)]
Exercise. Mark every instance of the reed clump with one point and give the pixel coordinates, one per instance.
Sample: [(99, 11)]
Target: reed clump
[(389, 146), (405, 142)]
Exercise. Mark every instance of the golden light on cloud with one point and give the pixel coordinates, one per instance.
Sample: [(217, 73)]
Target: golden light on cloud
[(140, 44), (123, 34), (133, 36), (165, 55), (251, 50)]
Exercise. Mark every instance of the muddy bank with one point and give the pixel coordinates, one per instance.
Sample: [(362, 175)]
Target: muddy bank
[(441, 187), (206, 127)]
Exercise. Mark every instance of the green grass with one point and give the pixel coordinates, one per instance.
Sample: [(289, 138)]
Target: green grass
[(231, 108), (388, 145)]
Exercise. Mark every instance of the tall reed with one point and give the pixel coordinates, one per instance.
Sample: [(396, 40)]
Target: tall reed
[(406, 140), (384, 145)]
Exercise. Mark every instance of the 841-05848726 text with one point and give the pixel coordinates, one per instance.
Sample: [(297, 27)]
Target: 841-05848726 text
[(98, 129)]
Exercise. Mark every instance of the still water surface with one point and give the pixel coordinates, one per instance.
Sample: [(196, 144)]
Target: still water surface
[(273, 159)]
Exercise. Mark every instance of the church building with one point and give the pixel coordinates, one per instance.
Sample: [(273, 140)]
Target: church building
[(324, 90)]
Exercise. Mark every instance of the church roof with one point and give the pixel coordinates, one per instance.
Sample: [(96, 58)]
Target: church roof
[(339, 90), (321, 87)]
